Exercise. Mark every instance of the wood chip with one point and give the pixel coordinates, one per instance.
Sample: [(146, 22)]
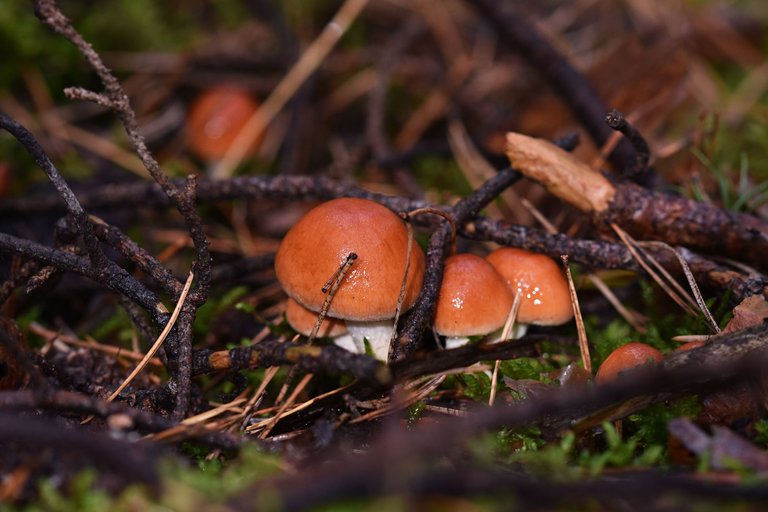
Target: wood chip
[(560, 172)]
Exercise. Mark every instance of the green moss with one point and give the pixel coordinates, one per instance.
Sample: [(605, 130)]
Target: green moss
[(118, 324), (477, 386), (215, 306), (527, 368), (434, 173)]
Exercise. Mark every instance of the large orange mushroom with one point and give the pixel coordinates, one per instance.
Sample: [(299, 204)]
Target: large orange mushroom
[(319, 244)]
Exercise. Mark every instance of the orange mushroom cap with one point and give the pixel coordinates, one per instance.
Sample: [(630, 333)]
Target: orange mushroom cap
[(303, 321), (320, 242), (626, 357), (545, 299), (215, 119), (473, 298)]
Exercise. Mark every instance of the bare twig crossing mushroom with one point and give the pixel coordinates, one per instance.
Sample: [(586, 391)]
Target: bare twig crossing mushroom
[(303, 321)]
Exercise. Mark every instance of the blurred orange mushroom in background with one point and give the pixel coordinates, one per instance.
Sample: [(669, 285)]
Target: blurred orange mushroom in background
[(215, 119)]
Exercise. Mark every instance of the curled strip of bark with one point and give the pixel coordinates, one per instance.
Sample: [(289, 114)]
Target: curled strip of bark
[(307, 358), (420, 316), (618, 122), (523, 38)]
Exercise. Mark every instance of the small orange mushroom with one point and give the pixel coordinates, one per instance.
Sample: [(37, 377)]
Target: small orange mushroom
[(473, 300), (626, 357), (544, 295)]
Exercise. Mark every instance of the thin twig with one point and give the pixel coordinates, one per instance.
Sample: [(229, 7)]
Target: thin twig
[(158, 342), (586, 360), (505, 335), (656, 277)]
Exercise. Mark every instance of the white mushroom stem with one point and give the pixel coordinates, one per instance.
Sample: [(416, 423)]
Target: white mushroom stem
[(518, 331), (455, 342), (346, 342), (378, 335)]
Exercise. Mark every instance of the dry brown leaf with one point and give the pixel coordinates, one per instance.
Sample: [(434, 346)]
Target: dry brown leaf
[(751, 311), (563, 175)]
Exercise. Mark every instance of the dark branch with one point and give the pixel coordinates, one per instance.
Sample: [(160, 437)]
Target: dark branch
[(636, 172)]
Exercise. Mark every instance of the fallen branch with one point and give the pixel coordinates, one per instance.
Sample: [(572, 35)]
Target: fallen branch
[(644, 214), (306, 358)]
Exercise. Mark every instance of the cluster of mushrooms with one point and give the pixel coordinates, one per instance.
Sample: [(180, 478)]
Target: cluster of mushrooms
[(476, 294), (383, 276), (359, 252)]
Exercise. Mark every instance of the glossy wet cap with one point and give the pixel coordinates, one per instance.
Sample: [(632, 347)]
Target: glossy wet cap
[(303, 321), (474, 299), (215, 119), (626, 357), (320, 242), (545, 299)]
